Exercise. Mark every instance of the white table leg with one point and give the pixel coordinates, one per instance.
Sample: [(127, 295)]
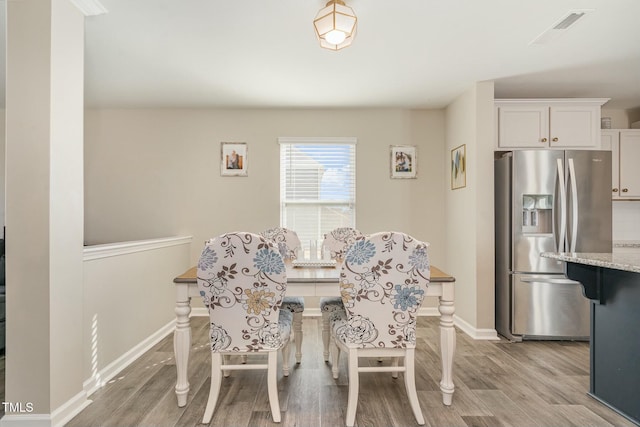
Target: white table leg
[(181, 347), (447, 342)]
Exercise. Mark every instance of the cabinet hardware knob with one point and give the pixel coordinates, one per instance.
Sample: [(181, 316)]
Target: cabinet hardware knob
[(544, 139), (555, 139), (615, 190), (625, 190)]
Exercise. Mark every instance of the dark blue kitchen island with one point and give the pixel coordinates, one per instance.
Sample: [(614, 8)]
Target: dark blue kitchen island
[(612, 282)]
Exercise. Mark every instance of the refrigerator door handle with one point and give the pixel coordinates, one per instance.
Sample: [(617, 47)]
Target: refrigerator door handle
[(563, 205), (574, 207), (538, 279)]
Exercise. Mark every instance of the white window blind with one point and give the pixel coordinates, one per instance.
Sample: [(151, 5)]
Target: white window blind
[(317, 185)]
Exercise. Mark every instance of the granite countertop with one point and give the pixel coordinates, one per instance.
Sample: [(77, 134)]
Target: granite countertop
[(627, 261)]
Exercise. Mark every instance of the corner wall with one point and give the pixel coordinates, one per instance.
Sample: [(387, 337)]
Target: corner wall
[(469, 211)]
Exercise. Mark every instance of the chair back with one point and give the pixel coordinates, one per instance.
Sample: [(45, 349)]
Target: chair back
[(383, 282), (338, 240), (286, 241), (242, 280)]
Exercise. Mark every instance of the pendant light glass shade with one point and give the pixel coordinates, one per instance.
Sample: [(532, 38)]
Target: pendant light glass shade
[(335, 25)]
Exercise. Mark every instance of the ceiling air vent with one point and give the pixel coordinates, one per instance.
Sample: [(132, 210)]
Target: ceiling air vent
[(561, 26)]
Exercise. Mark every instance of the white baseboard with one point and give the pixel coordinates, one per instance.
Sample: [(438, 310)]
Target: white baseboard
[(473, 332), (72, 407), (199, 311), (428, 311), (26, 420), (312, 312), (111, 370), (467, 328), (424, 311), (57, 418)]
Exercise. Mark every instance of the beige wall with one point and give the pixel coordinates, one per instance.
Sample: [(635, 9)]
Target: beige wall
[(469, 210), (619, 118), (123, 304), (44, 204), (634, 115), (154, 173)]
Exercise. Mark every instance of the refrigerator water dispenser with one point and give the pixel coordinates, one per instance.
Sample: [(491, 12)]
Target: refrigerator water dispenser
[(537, 213)]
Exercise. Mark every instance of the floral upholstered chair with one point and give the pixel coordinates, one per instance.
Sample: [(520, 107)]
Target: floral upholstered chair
[(336, 242), (383, 283), (288, 244), (242, 280), (286, 240)]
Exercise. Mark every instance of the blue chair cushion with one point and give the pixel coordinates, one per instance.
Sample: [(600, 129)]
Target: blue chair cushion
[(285, 319), (330, 304), (293, 304)]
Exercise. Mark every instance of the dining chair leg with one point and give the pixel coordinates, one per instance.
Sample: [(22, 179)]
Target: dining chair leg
[(394, 363), (214, 389), (354, 385), (286, 352), (335, 358), (297, 334), (225, 361), (326, 335), (410, 384), (272, 385)]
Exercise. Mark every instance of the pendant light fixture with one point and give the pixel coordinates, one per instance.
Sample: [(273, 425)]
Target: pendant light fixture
[(335, 25)]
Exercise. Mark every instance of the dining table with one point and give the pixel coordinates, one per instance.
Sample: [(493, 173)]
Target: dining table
[(307, 281)]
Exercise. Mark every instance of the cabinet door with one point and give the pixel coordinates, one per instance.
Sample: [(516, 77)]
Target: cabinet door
[(629, 170), (610, 141), (574, 126), (523, 126)]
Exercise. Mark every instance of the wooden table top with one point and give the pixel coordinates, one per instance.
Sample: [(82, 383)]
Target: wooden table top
[(437, 275)]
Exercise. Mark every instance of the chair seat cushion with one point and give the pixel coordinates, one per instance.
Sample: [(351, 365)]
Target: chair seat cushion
[(285, 319), (293, 304), (330, 304)]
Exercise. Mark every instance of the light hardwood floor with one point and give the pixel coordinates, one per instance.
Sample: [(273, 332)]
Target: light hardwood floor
[(497, 384)]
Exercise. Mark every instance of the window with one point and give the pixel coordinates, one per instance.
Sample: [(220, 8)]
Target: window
[(317, 185)]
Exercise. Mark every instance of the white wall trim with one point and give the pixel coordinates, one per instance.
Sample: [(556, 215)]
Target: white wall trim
[(312, 312), (65, 412), (123, 248), (26, 420), (58, 418), (428, 311), (199, 311), (473, 332), (93, 383), (424, 311)]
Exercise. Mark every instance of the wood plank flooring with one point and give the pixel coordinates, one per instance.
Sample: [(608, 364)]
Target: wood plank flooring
[(540, 383)]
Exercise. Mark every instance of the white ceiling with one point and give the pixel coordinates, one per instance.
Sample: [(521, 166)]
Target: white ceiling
[(407, 53)]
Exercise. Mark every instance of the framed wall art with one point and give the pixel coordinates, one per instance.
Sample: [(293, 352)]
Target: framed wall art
[(404, 161), (233, 159), (459, 167)]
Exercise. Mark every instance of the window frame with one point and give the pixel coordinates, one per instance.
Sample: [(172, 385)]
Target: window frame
[(351, 204)]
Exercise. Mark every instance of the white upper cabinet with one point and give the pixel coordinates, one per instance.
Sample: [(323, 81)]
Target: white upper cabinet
[(625, 152), (548, 123)]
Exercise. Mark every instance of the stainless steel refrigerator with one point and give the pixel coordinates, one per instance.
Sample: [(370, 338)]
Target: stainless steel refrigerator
[(547, 201)]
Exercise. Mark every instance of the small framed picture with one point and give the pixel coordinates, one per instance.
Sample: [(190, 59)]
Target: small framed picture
[(404, 161), (233, 159), (459, 167)]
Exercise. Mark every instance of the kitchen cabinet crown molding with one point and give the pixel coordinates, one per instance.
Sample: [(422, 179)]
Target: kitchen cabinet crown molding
[(554, 101)]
